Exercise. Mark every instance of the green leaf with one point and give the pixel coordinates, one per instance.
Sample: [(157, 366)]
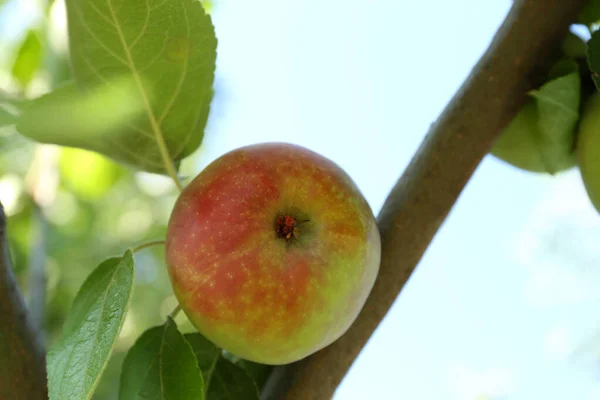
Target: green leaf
[(28, 60), (169, 50), (593, 55), (558, 112), (573, 47), (91, 329), (7, 118), (590, 13), (541, 137), (223, 379), (89, 119), (231, 382), (258, 372), (207, 354), (161, 365)]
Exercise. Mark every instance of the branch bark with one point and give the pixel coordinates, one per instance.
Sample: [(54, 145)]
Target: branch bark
[(22, 358), (516, 61)]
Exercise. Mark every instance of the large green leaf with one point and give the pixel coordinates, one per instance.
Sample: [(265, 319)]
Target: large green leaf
[(88, 119), (7, 118), (76, 362), (161, 365), (169, 50), (558, 112), (29, 59), (10, 109)]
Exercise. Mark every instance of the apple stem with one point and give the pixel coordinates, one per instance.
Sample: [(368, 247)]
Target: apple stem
[(174, 313), (148, 244), (286, 225)]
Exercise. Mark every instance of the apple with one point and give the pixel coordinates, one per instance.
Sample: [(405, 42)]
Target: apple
[(272, 251), (588, 149)]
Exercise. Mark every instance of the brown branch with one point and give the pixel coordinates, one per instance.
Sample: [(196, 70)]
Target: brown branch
[(22, 359), (516, 61)]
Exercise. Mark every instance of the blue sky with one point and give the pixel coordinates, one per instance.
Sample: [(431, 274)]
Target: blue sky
[(361, 82), (506, 295)]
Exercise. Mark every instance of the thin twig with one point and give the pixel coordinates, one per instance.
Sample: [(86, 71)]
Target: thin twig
[(516, 61)]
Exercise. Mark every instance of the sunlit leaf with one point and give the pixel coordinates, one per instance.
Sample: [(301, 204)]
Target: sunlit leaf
[(161, 365), (7, 118), (91, 119), (28, 60), (169, 50), (76, 362)]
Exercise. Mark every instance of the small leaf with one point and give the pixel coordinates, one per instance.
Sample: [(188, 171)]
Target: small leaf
[(231, 382), (206, 353), (161, 365), (91, 329), (169, 50), (558, 112), (28, 60), (223, 379), (258, 372)]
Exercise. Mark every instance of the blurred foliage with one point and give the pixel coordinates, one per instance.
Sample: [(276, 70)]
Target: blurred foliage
[(100, 208), (95, 208), (28, 60)]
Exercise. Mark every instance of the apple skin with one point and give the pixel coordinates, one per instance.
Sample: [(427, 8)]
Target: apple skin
[(262, 295), (588, 149)]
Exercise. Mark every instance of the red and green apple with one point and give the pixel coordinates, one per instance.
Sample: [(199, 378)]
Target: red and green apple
[(272, 251)]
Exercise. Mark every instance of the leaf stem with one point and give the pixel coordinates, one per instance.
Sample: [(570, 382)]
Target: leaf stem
[(210, 372), (148, 244), (175, 312)]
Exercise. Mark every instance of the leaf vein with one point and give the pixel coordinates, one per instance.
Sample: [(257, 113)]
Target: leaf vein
[(97, 39), (144, 26), (183, 72), (100, 14)]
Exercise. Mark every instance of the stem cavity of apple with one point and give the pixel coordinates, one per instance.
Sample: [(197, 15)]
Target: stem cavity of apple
[(286, 227)]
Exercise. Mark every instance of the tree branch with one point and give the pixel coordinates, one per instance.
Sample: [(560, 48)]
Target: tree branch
[(516, 61), (37, 271), (22, 359)]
